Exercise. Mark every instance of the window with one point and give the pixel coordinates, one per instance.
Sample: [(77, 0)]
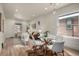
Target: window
[(69, 26)]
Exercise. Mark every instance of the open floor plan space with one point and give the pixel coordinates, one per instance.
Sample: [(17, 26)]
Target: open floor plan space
[(39, 29)]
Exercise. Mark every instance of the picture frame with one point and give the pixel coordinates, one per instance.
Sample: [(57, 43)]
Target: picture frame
[(34, 26), (69, 24)]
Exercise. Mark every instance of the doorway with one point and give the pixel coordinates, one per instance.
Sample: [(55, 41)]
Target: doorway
[(18, 31)]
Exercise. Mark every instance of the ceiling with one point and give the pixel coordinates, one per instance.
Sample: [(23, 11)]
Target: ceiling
[(28, 11)]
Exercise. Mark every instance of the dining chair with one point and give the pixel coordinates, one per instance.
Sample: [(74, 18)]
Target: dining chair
[(25, 38), (58, 47), (37, 47)]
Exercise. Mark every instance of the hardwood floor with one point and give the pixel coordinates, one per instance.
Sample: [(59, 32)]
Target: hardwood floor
[(14, 47), (72, 52)]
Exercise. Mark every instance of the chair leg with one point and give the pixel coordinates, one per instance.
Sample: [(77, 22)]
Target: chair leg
[(51, 53), (45, 52), (55, 53), (63, 52)]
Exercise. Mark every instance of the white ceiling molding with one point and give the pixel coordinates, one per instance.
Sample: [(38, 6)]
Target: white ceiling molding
[(70, 15)]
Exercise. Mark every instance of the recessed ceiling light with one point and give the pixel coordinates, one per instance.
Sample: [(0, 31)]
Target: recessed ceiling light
[(16, 10), (45, 8)]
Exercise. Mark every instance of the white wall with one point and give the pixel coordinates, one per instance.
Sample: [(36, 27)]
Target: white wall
[(47, 22), (9, 27)]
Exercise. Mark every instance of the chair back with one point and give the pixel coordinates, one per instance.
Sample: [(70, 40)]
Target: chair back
[(25, 36), (59, 38), (58, 46)]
